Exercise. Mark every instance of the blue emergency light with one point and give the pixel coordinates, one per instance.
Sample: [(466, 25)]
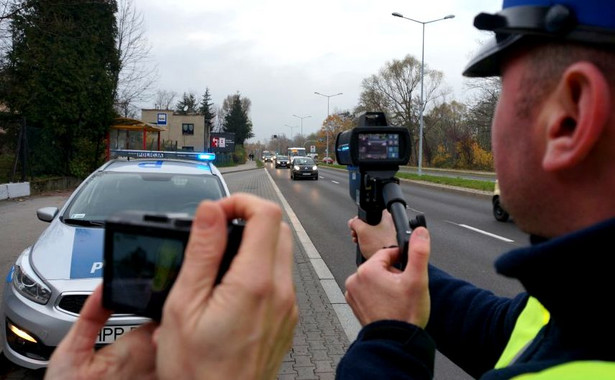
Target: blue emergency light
[(206, 156)]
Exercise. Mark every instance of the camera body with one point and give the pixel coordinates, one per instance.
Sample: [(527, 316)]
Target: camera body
[(143, 253)]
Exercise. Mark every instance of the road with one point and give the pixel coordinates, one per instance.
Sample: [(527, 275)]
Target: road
[(466, 238), (20, 227)]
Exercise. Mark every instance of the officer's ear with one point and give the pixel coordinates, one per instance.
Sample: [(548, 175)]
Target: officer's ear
[(575, 114)]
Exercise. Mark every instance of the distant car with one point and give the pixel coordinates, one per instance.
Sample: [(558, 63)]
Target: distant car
[(303, 167), (268, 158), (50, 280), (281, 161), (500, 214), (327, 160)]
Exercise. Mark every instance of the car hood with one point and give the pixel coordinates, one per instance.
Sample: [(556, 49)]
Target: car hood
[(65, 252)]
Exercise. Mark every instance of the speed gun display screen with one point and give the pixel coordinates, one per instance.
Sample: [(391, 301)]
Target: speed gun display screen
[(378, 146)]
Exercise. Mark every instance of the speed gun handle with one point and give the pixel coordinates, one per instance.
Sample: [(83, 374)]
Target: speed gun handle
[(396, 205)]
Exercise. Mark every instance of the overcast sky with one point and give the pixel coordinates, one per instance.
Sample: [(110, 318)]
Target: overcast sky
[(278, 53)]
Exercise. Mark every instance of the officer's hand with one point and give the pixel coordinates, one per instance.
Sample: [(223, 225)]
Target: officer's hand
[(242, 328), (130, 357), (379, 291), (372, 238)]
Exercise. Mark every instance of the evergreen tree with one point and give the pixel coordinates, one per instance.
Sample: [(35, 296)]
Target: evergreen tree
[(187, 104), (205, 109), (60, 77), (237, 121)]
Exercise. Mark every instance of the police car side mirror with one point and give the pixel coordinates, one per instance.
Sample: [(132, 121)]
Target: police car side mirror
[(46, 214)]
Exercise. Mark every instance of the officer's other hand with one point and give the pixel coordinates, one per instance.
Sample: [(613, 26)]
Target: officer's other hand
[(380, 291)]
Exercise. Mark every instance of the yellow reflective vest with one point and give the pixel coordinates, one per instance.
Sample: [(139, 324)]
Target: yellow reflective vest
[(531, 320)]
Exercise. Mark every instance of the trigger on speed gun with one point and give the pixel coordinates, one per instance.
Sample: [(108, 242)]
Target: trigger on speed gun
[(373, 152)]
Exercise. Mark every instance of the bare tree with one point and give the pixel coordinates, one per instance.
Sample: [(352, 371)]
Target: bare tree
[(164, 99), (486, 94), (8, 8), (137, 73), (396, 91)]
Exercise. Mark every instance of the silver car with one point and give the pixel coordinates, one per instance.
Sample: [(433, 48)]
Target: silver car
[(50, 280)]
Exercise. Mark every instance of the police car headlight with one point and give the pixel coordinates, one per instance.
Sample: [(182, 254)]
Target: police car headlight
[(295, 167), (30, 288), (314, 167)]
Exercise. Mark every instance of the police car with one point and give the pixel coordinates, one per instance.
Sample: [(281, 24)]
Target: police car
[(50, 280)]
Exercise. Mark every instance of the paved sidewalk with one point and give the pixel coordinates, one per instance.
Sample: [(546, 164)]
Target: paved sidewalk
[(320, 338)]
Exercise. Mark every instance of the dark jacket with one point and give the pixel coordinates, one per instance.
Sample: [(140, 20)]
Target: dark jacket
[(572, 276)]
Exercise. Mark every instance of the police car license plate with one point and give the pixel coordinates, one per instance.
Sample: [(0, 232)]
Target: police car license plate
[(307, 173), (110, 334)]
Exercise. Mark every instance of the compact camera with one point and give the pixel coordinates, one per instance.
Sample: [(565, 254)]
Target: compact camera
[(143, 253)]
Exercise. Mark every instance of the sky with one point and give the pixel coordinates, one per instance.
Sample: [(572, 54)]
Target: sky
[(278, 53)]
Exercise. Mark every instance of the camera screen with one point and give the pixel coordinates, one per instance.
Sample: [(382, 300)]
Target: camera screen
[(378, 146), (144, 268)]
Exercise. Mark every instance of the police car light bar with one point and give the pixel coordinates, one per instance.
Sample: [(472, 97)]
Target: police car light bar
[(131, 153)]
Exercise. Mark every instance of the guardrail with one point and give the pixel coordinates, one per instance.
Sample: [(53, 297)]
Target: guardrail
[(14, 190)]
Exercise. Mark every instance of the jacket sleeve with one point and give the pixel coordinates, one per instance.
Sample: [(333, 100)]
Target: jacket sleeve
[(389, 350), (471, 326)]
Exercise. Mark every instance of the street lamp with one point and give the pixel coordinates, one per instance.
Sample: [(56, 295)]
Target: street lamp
[(396, 14), (291, 129), (302, 117), (328, 98)]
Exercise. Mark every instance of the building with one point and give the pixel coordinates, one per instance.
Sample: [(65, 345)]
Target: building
[(182, 132)]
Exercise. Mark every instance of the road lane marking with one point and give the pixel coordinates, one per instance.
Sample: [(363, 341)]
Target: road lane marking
[(335, 182), (483, 232)]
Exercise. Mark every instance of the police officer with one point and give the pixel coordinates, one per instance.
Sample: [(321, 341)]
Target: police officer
[(553, 138)]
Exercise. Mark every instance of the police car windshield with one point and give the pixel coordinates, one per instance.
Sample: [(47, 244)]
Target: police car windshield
[(110, 192)]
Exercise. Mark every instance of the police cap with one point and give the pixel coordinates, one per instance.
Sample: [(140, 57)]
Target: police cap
[(585, 21)]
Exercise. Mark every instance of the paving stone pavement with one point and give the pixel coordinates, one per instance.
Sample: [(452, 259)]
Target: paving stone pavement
[(320, 340)]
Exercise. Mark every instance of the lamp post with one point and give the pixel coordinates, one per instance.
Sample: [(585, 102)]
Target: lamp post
[(396, 14), (326, 130), (292, 127), (302, 117)]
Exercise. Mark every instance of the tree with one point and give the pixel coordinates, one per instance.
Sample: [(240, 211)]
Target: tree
[(205, 109), (331, 127), (187, 104), (448, 126), (236, 119), (66, 97), (136, 75), (164, 99), (8, 9), (396, 92), (482, 107)]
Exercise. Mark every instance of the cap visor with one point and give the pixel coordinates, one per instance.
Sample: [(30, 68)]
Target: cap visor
[(486, 63)]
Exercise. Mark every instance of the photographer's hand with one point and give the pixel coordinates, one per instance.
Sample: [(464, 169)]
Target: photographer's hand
[(242, 328), (130, 357), (372, 238), (379, 291)]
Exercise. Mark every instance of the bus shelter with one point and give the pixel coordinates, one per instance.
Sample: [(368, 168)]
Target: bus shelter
[(130, 134)]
